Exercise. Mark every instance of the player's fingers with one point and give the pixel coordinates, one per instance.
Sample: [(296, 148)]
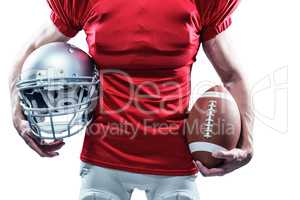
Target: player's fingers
[(45, 144), (201, 167), (55, 147), (217, 172), (229, 167), (51, 154), (51, 146), (54, 142), (228, 155), (31, 143), (47, 149), (209, 172), (34, 146)]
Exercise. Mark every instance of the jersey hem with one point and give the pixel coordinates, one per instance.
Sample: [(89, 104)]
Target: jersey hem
[(161, 172)]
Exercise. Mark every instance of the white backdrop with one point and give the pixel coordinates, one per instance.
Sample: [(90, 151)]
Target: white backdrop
[(266, 37)]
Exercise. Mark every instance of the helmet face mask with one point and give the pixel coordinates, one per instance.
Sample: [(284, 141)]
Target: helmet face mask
[(58, 104)]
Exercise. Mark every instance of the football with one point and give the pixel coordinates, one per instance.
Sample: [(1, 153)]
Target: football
[(213, 124)]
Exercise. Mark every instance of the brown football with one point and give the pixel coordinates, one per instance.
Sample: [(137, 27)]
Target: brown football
[(213, 124)]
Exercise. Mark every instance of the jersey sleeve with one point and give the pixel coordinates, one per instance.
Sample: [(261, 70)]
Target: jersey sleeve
[(68, 15), (215, 16)]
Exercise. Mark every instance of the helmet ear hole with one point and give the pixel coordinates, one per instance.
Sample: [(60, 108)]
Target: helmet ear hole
[(68, 103)]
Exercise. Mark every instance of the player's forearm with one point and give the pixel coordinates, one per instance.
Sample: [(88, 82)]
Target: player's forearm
[(239, 90), (13, 78), (225, 61), (48, 33)]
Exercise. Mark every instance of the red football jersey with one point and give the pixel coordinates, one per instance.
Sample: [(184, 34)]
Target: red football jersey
[(145, 51)]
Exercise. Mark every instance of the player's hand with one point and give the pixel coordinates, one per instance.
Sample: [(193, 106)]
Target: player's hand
[(39, 146), (234, 159)]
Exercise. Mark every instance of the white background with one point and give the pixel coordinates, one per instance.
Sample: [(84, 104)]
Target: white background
[(265, 34)]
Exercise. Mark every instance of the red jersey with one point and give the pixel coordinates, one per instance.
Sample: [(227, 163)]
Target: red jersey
[(145, 51)]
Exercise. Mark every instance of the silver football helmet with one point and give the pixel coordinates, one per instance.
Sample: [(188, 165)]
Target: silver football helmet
[(58, 89)]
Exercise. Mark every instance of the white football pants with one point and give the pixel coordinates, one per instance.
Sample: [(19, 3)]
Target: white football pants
[(98, 183)]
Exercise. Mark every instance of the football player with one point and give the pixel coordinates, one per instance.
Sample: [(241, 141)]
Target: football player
[(145, 51)]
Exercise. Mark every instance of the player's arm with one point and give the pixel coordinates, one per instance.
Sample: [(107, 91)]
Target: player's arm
[(48, 33), (220, 52)]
